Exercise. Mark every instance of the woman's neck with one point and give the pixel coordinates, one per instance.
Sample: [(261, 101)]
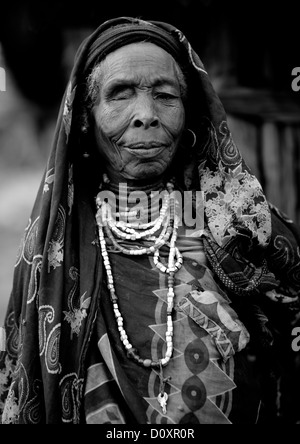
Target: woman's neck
[(115, 182), (144, 195)]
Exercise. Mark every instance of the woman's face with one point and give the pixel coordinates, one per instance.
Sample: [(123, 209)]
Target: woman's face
[(139, 116)]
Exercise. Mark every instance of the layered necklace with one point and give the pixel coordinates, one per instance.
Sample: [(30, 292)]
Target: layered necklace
[(159, 232)]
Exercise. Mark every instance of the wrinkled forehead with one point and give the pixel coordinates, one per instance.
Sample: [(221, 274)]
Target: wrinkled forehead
[(141, 50), (142, 58)]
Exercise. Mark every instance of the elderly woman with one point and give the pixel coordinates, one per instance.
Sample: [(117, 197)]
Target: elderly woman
[(136, 314)]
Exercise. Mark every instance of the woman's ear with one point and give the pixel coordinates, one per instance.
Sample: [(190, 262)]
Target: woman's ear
[(189, 138), (84, 131), (185, 161)]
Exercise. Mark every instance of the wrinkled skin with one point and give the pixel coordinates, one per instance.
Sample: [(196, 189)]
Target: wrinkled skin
[(139, 116)]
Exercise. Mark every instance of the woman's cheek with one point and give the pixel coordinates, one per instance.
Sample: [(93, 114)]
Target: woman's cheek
[(112, 120), (173, 119)]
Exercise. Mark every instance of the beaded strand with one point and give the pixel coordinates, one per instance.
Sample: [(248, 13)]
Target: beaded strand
[(126, 231)]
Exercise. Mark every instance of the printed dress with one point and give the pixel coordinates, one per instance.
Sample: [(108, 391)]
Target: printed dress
[(210, 377)]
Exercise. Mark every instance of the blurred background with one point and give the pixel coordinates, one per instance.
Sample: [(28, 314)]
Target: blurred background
[(248, 48)]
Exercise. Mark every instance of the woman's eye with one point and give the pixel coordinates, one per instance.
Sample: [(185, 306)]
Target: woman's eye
[(122, 94), (165, 96)]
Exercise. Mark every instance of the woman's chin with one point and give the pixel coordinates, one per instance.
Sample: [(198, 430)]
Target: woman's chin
[(147, 173)]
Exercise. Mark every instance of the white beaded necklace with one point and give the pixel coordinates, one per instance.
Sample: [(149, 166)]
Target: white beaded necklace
[(132, 232)]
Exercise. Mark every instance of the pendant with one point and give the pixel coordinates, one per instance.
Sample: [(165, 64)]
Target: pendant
[(162, 400), (163, 396)]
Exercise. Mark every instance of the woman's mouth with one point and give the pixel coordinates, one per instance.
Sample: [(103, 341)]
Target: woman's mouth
[(145, 150), (144, 145)]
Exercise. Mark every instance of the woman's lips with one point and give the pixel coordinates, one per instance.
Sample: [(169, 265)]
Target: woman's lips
[(145, 149), (144, 145)]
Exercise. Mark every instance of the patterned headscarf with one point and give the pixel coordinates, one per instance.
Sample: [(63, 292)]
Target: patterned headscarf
[(58, 274)]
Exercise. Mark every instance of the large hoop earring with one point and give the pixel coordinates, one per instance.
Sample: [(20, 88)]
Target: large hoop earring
[(194, 137)]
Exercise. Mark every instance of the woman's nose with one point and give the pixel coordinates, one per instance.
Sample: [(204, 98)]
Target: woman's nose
[(145, 114)]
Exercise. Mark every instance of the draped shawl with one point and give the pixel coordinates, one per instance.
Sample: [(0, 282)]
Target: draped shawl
[(58, 273)]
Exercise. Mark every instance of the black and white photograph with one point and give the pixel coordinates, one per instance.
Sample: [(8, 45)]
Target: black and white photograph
[(149, 215)]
